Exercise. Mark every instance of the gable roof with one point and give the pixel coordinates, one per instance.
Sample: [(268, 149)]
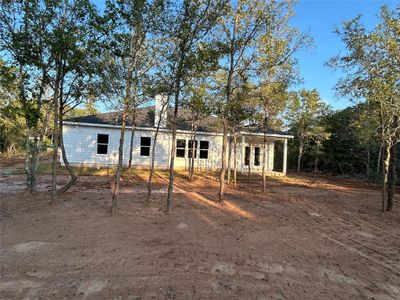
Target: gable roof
[(145, 118)]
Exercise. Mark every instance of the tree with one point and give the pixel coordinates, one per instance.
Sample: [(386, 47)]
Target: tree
[(247, 32), (319, 135), (271, 99), (305, 108), (11, 135), (372, 67), (190, 23), (128, 26), (159, 118), (24, 31), (74, 50), (199, 105), (351, 147)]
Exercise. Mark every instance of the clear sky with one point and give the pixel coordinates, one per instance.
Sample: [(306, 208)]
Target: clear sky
[(319, 18)]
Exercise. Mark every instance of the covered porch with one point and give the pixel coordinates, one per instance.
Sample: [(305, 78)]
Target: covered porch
[(250, 153)]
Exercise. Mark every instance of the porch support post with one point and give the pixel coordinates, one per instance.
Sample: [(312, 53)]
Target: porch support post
[(251, 154), (242, 155), (284, 156)]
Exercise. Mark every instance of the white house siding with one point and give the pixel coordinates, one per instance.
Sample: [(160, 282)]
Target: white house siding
[(81, 147)]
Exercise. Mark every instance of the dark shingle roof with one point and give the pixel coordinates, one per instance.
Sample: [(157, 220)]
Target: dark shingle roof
[(145, 118)]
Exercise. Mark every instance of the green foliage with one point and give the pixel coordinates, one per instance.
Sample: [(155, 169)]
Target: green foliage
[(271, 100), (372, 67), (11, 123), (304, 111)]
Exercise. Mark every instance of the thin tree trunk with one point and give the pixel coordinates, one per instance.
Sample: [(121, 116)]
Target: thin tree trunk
[(301, 145), (34, 153), (132, 138), (55, 137), (173, 145), (391, 177), (224, 113), (153, 153), (172, 162), (316, 162), (249, 169), (392, 166), (385, 177), (264, 180), (28, 168), (378, 163), (37, 144), (368, 169), (228, 179), (65, 159), (234, 159), (120, 159), (223, 159), (151, 173), (191, 166), (31, 162)]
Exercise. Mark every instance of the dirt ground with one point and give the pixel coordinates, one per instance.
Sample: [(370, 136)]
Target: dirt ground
[(303, 239)]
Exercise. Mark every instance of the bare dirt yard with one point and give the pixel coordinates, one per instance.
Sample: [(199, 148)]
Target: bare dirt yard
[(303, 239)]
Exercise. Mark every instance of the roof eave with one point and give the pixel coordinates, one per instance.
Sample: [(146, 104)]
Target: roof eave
[(179, 130)]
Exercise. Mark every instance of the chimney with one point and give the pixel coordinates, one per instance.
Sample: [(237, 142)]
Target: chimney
[(161, 110)]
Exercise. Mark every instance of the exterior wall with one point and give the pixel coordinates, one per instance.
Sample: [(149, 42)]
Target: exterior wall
[(81, 148)]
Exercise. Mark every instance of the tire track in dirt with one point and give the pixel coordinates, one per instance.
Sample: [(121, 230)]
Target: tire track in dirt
[(346, 224), (332, 234)]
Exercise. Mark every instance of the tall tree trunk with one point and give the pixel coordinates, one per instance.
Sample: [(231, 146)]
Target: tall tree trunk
[(28, 163), (172, 162), (234, 159), (300, 155), (385, 176), (114, 201), (192, 158), (35, 148), (173, 142), (249, 167), (228, 179), (391, 177), (152, 159), (65, 159), (132, 138), (55, 136), (380, 158), (264, 181), (32, 160), (316, 161), (392, 166), (223, 159), (153, 154), (368, 168), (225, 124)]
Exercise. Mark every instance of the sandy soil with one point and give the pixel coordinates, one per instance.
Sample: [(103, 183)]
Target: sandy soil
[(303, 239)]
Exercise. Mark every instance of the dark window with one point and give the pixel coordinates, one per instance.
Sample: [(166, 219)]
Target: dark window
[(145, 143), (102, 138), (204, 149), (190, 147), (246, 156), (180, 148), (257, 156), (102, 143)]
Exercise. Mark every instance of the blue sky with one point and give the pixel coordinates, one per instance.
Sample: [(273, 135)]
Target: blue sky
[(320, 18)]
